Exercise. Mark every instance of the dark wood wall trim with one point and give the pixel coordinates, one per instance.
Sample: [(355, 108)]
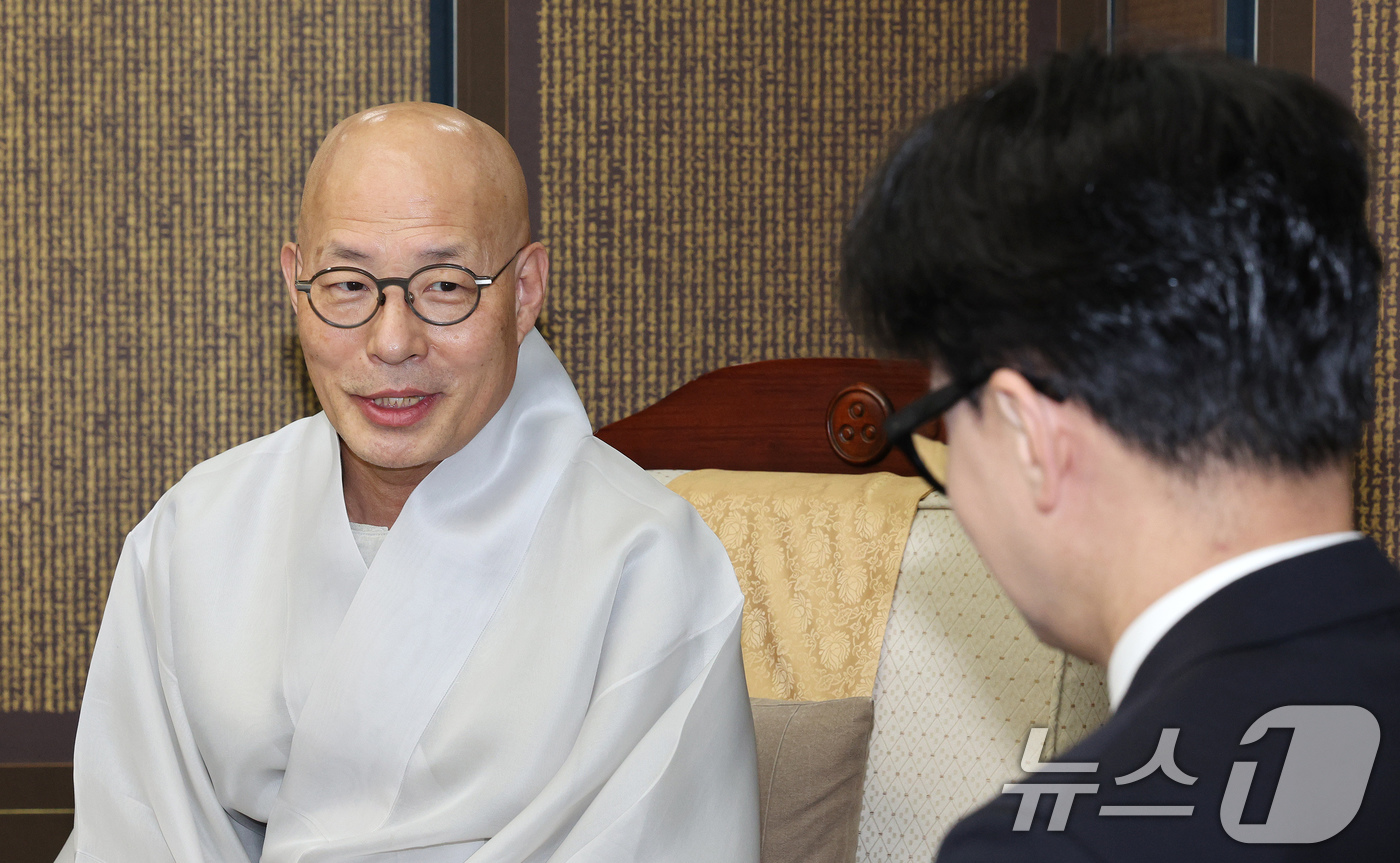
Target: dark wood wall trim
[(1285, 35), (1042, 28), (497, 54), (442, 47), (1310, 37), (35, 737), (1082, 23), (483, 82), (523, 74), (36, 811), (1332, 49)]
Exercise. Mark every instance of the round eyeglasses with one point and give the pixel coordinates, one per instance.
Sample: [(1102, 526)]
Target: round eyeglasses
[(439, 294)]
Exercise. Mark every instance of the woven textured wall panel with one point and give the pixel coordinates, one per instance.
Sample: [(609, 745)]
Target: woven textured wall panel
[(699, 160), (1376, 94), (151, 155)]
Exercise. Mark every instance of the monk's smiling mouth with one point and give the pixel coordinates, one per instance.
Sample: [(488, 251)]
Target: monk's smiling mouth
[(396, 409)]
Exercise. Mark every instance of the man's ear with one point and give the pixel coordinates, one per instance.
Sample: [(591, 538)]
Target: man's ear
[(290, 265), (1038, 434), (531, 282)]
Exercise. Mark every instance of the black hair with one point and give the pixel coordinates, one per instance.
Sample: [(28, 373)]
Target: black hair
[(1178, 241)]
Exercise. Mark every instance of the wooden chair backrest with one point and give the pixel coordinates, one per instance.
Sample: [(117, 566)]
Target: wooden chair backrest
[(811, 415)]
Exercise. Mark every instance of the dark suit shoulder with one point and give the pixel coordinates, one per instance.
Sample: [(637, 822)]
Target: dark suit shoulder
[(1179, 744)]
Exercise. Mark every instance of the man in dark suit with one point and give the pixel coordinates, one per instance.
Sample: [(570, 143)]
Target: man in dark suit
[(1146, 292)]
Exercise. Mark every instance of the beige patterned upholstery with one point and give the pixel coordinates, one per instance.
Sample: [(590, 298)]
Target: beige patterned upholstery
[(961, 681)]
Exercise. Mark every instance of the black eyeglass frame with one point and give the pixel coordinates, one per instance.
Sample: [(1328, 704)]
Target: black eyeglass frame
[(901, 425), (403, 283)]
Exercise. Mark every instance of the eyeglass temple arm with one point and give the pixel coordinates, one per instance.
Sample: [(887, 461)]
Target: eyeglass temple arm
[(904, 421)]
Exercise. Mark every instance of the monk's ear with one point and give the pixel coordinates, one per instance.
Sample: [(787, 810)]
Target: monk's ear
[(1036, 434), (290, 265), (531, 282)]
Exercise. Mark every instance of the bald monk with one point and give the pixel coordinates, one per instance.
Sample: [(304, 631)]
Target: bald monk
[(439, 621)]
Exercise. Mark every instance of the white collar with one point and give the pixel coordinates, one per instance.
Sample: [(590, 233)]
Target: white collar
[(1148, 627)]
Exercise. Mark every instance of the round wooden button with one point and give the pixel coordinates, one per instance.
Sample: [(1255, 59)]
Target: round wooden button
[(855, 424)]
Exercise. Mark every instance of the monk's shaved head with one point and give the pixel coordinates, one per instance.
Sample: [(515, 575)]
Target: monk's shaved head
[(413, 149)]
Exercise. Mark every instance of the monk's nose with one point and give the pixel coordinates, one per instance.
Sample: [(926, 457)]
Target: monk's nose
[(396, 333)]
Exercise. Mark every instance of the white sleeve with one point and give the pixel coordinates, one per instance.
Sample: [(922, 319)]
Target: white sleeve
[(142, 793)]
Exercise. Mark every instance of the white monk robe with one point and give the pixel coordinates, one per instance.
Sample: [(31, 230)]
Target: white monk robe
[(541, 663)]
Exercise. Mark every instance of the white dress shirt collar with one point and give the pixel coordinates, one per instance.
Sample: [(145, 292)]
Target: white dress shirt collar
[(1148, 627)]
